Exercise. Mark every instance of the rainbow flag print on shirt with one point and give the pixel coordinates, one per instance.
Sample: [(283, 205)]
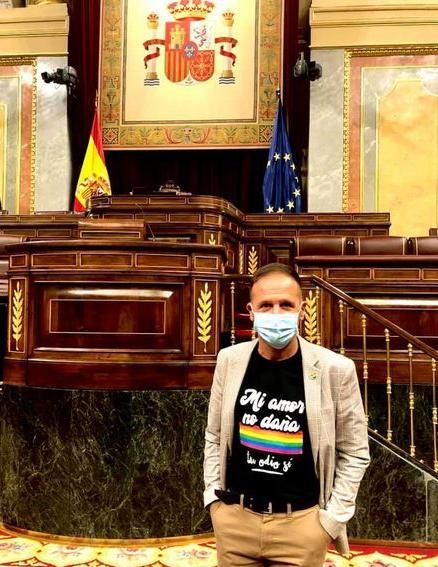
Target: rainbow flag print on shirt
[(280, 442)]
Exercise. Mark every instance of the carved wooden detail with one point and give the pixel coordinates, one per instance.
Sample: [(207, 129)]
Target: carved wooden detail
[(311, 317), (252, 261), (17, 314), (204, 318)]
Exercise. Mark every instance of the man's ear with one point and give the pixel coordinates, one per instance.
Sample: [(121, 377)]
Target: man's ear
[(251, 312)]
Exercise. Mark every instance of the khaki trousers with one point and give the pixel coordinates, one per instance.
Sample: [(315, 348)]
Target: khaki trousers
[(247, 538)]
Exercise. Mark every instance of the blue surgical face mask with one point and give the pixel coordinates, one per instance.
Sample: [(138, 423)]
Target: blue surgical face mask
[(277, 329)]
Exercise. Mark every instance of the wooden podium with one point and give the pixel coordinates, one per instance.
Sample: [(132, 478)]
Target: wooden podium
[(113, 315)]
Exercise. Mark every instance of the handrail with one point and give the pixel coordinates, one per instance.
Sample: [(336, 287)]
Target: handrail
[(386, 323), (401, 454)]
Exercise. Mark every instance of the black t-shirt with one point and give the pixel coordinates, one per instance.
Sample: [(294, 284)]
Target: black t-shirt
[(271, 454)]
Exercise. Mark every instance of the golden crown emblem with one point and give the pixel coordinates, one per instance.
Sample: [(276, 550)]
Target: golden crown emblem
[(153, 20), (197, 9), (228, 18), (153, 17)]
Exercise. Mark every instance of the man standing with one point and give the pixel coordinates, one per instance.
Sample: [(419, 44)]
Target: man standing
[(286, 440)]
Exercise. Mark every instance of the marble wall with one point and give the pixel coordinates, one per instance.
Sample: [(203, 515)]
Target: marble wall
[(373, 134), (53, 158), (326, 133), (101, 464), (129, 465)]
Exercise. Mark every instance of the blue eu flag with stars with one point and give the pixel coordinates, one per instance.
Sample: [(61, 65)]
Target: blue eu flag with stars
[(281, 186)]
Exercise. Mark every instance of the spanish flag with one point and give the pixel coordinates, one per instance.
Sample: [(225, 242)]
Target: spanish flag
[(93, 179)]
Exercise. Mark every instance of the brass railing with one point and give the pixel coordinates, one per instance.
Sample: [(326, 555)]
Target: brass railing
[(326, 306)]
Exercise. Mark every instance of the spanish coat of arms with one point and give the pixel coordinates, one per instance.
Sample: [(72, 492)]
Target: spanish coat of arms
[(190, 44)]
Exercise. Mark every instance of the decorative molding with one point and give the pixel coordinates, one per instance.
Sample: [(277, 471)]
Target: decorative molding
[(33, 138), (253, 261), (204, 315), (311, 318), (35, 30), (348, 23), (349, 197), (17, 315), (346, 132), (241, 258), (44, 2), (22, 68)]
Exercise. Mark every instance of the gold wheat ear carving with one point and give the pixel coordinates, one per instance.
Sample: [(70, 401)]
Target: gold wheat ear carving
[(17, 314), (252, 261), (241, 259), (311, 318), (204, 315), (212, 240)]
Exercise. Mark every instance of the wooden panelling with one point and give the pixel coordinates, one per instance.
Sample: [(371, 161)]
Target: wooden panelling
[(206, 263), (51, 260), (312, 272), (157, 217), (18, 261), (277, 255), (348, 273), (396, 274), (15, 371), (162, 261), (54, 233), (96, 260), (429, 274), (180, 218), (111, 229), (420, 321), (253, 233), (102, 234), (212, 219), (107, 375), (107, 317), (399, 369)]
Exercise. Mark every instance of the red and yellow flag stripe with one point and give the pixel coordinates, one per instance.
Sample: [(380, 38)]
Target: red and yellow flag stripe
[(93, 178)]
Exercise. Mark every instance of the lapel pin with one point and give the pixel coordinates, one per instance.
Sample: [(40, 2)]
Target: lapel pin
[(314, 374)]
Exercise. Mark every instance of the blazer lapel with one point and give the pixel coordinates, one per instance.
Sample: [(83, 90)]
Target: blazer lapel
[(238, 366), (312, 391)]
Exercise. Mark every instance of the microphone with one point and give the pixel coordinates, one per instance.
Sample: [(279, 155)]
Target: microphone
[(145, 221), (151, 231)]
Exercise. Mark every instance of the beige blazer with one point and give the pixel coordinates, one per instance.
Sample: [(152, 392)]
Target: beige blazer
[(337, 428)]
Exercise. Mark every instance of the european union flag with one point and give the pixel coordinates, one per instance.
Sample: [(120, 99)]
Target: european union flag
[(281, 186)]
